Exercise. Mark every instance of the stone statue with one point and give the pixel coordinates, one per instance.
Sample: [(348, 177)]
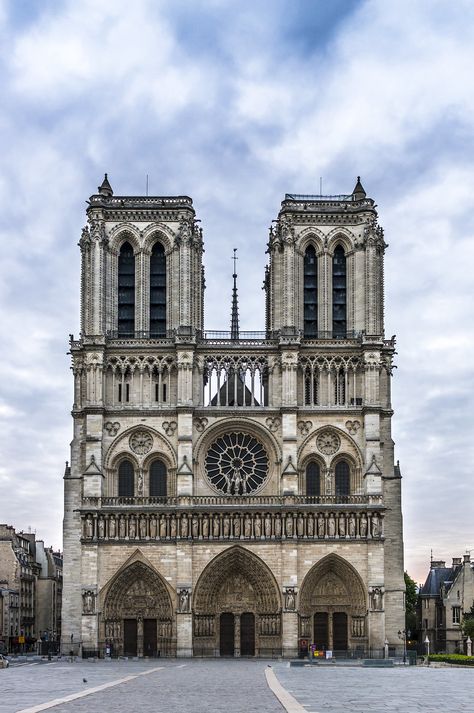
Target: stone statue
[(331, 526), (321, 527), (88, 602), (289, 525), (226, 525), (142, 528), (363, 525), (195, 527), (184, 526), (352, 525), (153, 526), (205, 527), (89, 527), (247, 526), (215, 526), (112, 526), (375, 525), (290, 598), (184, 600), (376, 597), (122, 527), (300, 525), (310, 525), (257, 526), (132, 528), (342, 525), (237, 526), (277, 526), (101, 528), (162, 527), (268, 525), (173, 527)]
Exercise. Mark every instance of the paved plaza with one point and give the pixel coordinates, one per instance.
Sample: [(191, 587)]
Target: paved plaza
[(229, 686)]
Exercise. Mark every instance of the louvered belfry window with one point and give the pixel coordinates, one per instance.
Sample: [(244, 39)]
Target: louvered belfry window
[(126, 291), (339, 293), (158, 291), (310, 289)]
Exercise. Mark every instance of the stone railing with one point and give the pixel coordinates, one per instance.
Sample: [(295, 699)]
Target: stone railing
[(223, 501), (242, 525)]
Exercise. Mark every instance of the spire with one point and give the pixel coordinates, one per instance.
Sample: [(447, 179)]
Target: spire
[(234, 321), (105, 189), (358, 194)]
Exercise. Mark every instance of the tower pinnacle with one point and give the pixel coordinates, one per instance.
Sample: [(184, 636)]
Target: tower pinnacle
[(234, 321)]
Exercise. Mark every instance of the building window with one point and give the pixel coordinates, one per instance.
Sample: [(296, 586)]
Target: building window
[(158, 479), (126, 478), (343, 479), (339, 387), (310, 291), (158, 291), (313, 482), (126, 291), (339, 298), (456, 615)]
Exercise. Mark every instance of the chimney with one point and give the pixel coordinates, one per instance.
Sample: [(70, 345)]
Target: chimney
[(437, 563), (467, 558), (457, 561)]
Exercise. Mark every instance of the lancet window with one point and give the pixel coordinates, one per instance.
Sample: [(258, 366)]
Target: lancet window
[(126, 291), (329, 381), (146, 379), (158, 291), (158, 478), (235, 381), (310, 293), (339, 293), (126, 479), (313, 480), (342, 479)]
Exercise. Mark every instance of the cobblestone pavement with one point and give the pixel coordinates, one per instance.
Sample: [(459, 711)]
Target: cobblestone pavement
[(178, 686), (410, 689), (230, 686)]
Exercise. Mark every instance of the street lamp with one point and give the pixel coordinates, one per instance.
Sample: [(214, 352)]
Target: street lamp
[(427, 644), (403, 636)]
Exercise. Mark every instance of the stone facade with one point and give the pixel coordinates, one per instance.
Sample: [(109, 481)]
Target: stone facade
[(231, 492)]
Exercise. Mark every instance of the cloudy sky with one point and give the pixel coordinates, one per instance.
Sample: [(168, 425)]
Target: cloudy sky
[(236, 103)]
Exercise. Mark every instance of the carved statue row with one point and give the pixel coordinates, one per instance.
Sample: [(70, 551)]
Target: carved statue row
[(267, 625), (251, 526), (357, 627)]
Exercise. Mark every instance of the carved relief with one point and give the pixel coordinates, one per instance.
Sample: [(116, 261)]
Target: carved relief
[(184, 600), (112, 428), (290, 598), (328, 442), (305, 427), (88, 601), (169, 427), (353, 427), (376, 598), (273, 424), (141, 442), (200, 424)]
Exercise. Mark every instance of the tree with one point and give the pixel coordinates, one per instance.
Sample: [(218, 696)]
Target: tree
[(468, 623), (411, 596)]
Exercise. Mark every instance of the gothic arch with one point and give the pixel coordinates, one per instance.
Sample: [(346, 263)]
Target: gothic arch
[(348, 448), (157, 232), (332, 581), (136, 579), (311, 236), (340, 236), (237, 561), (124, 233), (120, 447)]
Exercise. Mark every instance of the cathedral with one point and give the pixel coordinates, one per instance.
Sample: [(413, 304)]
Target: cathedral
[(232, 493)]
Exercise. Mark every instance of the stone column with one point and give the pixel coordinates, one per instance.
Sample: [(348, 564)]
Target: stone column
[(237, 635), (140, 637), (289, 634), (184, 631)]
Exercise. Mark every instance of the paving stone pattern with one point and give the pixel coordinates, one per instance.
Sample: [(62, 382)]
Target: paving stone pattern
[(194, 685), (398, 690)]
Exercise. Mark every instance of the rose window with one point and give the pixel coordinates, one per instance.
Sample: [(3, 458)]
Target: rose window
[(141, 442), (328, 442), (236, 464)]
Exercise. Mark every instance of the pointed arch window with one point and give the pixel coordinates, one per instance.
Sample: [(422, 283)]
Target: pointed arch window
[(343, 479), (126, 291), (158, 478), (310, 293), (339, 293), (158, 291), (313, 479), (126, 479)]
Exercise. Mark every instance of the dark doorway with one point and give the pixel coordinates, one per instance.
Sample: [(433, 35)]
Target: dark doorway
[(321, 631), (149, 637), (227, 634), (129, 637), (339, 629), (247, 634)]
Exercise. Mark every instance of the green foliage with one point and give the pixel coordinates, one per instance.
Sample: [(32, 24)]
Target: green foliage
[(468, 623), (453, 658), (411, 596)]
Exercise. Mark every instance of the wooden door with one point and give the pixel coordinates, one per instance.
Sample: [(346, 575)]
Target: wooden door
[(227, 633), (149, 637), (321, 631), (129, 637), (247, 634), (339, 631)]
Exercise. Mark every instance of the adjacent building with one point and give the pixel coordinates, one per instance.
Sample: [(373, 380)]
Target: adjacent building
[(30, 591), (445, 597), (229, 492)]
